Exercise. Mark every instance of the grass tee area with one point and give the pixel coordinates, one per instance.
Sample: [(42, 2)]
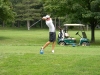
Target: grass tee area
[(19, 54)]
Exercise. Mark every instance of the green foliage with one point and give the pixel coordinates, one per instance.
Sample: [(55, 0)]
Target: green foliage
[(74, 9), (55, 7), (77, 11), (95, 6), (6, 11), (28, 10), (15, 2)]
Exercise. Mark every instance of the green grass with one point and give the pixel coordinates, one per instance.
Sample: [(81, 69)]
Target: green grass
[(19, 55)]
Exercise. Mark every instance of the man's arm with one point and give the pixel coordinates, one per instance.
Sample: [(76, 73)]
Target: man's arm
[(43, 18)]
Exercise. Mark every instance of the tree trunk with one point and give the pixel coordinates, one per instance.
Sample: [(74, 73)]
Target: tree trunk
[(18, 24), (12, 24), (41, 24), (28, 24), (59, 22), (93, 25), (3, 24), (92, 33)]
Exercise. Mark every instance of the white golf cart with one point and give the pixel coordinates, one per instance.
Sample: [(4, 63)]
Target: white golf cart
[(65, 39)]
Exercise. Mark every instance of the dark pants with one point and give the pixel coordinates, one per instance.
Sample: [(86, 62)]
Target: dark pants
[(52, 36)]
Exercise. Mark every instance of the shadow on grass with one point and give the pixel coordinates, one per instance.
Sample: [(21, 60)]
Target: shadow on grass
[(3, 38), (96, 43)]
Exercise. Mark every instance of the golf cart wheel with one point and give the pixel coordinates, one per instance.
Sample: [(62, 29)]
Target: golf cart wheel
[(62, 43), (84, 44)]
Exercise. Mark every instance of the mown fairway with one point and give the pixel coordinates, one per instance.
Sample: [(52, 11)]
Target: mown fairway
[(19, 55)]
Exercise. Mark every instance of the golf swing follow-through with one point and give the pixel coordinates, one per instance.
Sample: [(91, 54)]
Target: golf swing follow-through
[(52, 34)]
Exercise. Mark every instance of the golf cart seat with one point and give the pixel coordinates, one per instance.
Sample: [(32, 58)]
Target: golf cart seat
[(68, 36), (84, 35)]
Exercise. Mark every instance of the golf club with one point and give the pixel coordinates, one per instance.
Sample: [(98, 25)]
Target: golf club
[(35, 23)]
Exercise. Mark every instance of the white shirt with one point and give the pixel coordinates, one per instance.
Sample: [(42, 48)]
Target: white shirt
[(50, 24)]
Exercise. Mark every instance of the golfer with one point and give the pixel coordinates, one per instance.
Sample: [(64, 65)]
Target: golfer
[(52, 33)]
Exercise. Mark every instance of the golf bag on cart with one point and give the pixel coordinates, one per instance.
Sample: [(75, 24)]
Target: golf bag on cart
[(64, 38)]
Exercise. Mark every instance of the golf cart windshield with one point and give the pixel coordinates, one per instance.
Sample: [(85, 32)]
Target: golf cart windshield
[(74, 25)]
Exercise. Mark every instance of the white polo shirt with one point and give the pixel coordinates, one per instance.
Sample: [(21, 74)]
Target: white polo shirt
[(50, 25)]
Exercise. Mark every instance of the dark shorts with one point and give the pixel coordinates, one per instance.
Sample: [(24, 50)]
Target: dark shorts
[(52, 36)]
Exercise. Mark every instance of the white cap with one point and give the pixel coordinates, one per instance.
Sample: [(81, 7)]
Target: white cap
[(47, 16)]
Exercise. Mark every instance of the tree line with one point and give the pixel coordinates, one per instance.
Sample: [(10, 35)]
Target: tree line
[(26, 12)]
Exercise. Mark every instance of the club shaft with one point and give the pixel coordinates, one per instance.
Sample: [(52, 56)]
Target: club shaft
[(35, 23)]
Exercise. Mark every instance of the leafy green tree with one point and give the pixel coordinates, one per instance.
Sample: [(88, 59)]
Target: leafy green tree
[(6, 11), (84, 11), (28, 10), (15, 2)]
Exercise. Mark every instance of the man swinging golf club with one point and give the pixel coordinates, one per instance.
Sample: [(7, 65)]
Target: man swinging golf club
[(52, 33)]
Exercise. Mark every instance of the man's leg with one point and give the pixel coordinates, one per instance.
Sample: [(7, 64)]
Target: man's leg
[(46, 44), (53, 46)]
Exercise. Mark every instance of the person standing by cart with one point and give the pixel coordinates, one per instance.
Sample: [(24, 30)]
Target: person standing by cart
[(52, 33)]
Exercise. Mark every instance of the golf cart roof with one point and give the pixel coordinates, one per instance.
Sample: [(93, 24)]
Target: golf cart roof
[(74, 25)]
